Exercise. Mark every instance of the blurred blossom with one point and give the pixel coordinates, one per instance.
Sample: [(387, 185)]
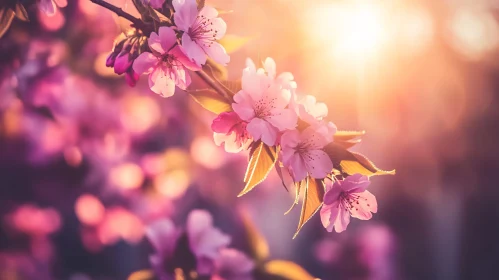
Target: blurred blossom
[(89, 210), (206, 153), (172, 184), (126, 176), (120, 223), (327, 251), (473, 32), (35, 221), (52, 22), (139, 113)]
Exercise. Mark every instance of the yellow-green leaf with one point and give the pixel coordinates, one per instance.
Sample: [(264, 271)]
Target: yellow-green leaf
[(215, 70), (297, 195), (211, 101), (343, 135), (287, 270), (21, 12), (312, 201), (233, 43), (260, 164), (6, 17), (362, 165), (351, 163), (232, 86), (145, 274), (259, 248)]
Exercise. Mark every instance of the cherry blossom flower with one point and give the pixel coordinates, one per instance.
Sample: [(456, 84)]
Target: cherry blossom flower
[(313, 113), (49, 6), (233, 265), (302, 153), (167, 64), (229, 128), (262, 103), (204, 243), (201, 30), (346, 198)]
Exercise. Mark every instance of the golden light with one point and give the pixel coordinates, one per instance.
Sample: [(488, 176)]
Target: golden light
[(172, 184), (351, 30), (206, 153), (139, 113), (473, 32), (126, 176), (89, 210)]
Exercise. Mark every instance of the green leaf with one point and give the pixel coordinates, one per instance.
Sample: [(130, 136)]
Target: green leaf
[(260, 164), (145, 274), (287, 270), (233, 43), (21, 12), (211, 101), (351, 163), (6, 17), (312, 201), (259, 248), (216, 70)]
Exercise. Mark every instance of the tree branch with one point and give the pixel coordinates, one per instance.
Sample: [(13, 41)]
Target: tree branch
[(208, 80)]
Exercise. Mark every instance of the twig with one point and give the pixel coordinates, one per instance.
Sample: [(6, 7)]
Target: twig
[(208, 80)]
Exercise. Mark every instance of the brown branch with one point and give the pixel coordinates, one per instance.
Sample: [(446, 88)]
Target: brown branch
[(212, 83)]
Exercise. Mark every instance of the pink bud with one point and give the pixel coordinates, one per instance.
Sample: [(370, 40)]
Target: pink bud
[(111, 59), (131, 77), (122, 63)]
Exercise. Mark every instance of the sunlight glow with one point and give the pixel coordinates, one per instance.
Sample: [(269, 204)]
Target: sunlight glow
[(352, 30)]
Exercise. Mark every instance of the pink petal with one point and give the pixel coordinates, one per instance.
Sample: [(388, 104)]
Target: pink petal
[(163, 235), (209, 12), (332, 195), (163, 41), (329, 214), (186, 12), (161, 82), (193, 50), (181, 77), (282, 119), (355, 183), (243, 106), (229, 140), (270, 67), (217, 53), (204, 239), (218, 25), (318, 164), (122, 63), (145, 63), (180, 56), (255, 84), (342, 220), (315, 135), (260, 129), (61, 3), (224, 122), (47, 7), (366, 204), (131, 78), (297, 168), (289, 140), (281, 96)]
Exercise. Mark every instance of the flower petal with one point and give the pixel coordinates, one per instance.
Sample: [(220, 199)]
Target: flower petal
[(329, 214), (216, 52), (243, 106), (297, 167), (47, 7), (208, 12), (270, 67), (179, 54), (163, 235), (283, 119), (342, 220), (204, 239), (219, 28), (145, 63), (193, 50), (260, 129), (156, 4), (225, 122), (355, 183), (162, 82), (186, 12), (318, 163), (365, 204)]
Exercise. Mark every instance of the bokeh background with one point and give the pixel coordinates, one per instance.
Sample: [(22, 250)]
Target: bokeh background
[(86, 162)]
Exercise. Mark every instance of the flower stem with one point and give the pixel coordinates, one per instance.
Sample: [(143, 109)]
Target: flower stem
[(208, 80), (138, 23)]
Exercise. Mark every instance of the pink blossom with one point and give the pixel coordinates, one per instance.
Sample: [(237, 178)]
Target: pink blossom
[(302, 153), (313, 113), (233, 265), (262, 103), (201, 30), (167, 64), (346, 198), (229, 128), (49, 6), (205, 242)]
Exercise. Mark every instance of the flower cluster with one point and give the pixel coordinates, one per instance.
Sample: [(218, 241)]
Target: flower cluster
[(200, 249)]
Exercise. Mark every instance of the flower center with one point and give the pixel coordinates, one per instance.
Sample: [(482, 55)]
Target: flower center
[(202, 31), (264, 106), (350, 201)]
